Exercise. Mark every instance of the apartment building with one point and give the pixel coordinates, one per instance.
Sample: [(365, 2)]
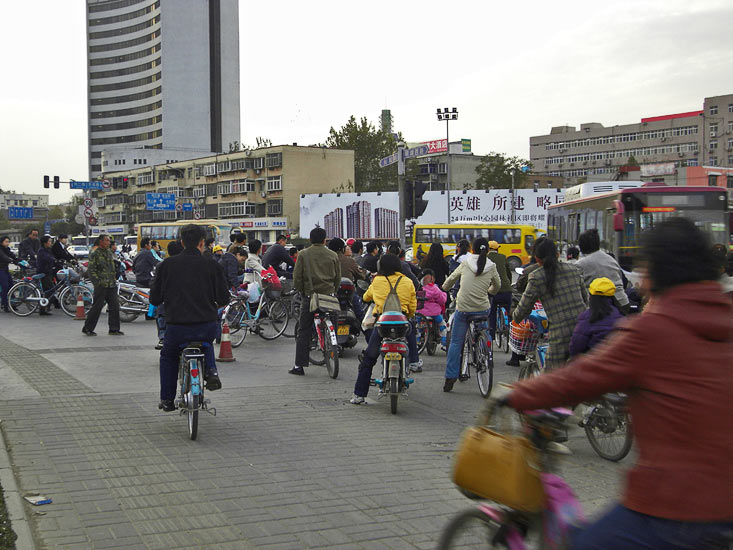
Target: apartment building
[(162, 74), (595, 151), (260, 183)]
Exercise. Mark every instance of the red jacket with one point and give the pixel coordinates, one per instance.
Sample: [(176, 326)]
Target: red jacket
[(675, 363)]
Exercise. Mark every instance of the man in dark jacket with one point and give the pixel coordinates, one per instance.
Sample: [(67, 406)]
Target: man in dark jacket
[(144, 264), (394, 248), (504, 296), (7, 257), (277, 255), (371, 259), (192, 288), (230, 262), (59, 250), (316, 271), (29, 247), (46, 263)]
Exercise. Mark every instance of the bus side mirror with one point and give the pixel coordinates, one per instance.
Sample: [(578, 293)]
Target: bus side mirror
[(618, 216)]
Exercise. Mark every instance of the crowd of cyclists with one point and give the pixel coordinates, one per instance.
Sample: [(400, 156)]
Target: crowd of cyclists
[(671, 360)]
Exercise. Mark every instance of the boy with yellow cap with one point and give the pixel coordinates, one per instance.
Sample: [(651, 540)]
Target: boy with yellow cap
[(596, 322)]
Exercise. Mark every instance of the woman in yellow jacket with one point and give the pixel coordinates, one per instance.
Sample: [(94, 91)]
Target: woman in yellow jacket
[(389, 274)]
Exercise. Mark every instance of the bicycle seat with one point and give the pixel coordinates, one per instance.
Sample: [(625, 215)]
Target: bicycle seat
[(38, 276)]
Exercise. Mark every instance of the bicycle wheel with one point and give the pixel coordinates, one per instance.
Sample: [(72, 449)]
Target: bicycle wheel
[(22, 298), (609, 431), (505, 338), (193, 415), (129, 298), (330, 354), (394, 388), (470, 529), (316, 354), (484, 365), (275, 320), (528, 370), (421, 331), (69, 297), (466, 359), (431, 346)]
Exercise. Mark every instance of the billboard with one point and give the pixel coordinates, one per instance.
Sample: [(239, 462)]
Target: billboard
[(658, 169), (376, 215)]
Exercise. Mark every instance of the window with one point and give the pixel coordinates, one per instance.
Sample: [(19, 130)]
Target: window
[(714, 110), (225, 166), (144, 179), (274, 183), (442, 168), (713, 144), (274, 160), (126, 98), (210, 170), (730, 107), (730, 182), (713, 130), (199, 191), (35, 203), (713, 161), (235, 209), (259, 163), (712, 181), (275, 208), (730, 160)]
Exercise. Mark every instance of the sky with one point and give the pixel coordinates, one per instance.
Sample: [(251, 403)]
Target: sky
[(513, 70)]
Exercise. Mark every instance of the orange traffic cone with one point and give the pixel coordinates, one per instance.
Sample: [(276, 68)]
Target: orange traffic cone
[(225, 349), (81, 314)]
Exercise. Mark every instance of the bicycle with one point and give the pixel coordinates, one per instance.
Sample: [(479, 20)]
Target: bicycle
[(191, 399), (608, 427), (269, 320), (478, 353), (292, 302), (27, 295), (524, 339), (501, 340), (501, 526), (324, 342)]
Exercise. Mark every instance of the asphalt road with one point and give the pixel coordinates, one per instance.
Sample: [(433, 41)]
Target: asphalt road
[(286, 463)]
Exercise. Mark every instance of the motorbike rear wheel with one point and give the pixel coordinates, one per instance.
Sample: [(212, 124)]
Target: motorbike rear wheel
[(609, 431), (421, 332), (394, 395)]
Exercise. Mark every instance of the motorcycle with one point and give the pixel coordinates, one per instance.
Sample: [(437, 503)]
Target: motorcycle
[(393, 327), (349, 326), (134, 301)]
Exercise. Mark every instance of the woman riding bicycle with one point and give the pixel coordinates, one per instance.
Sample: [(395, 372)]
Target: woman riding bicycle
[(670, 361), (389, 277), (560, 288), (478, 278)]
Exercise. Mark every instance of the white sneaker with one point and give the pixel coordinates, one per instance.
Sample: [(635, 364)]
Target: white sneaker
[(357, 400)]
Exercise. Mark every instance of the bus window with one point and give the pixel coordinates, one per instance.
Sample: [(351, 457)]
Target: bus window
[(424, 235), (442, 236), (529, 243), (506, 236), (146, 231)]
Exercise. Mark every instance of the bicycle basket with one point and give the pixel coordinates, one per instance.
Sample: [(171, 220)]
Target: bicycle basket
[(523, 337), (273, 294)]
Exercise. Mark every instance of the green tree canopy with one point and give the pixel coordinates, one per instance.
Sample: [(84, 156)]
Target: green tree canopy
[(369, 146), (4, 222), (495, 170)]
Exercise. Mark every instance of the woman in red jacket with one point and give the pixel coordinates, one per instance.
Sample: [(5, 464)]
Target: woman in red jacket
[(674, 363)]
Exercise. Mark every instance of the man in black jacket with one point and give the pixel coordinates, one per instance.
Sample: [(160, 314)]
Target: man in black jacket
[(144, 264), (192, 288), (28, 249), (277, 255), (59, 250), (46, 264)]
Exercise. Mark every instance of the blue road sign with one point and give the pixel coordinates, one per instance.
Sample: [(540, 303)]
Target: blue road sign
[(47, 228), (419, 151), (20, 213), (386, 161), (86, 185), (160, 201), (187, 206)]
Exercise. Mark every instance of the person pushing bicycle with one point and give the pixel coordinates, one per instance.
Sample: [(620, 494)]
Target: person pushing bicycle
[(192, 288)]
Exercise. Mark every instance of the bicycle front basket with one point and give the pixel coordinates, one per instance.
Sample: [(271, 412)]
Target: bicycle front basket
[(523, 337)]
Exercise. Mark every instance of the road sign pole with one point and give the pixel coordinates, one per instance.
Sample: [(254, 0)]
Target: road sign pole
[(401, 190)]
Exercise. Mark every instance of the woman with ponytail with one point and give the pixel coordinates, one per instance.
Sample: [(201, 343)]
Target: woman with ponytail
[(560, 288), (479, 278)]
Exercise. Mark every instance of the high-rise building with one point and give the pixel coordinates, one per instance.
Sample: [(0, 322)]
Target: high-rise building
[(386, 121), (333, 223), (358, 220), (162, 74), (386, 223)]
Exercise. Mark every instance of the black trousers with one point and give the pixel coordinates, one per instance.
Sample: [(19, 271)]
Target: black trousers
[(104, 295), (305, 331)]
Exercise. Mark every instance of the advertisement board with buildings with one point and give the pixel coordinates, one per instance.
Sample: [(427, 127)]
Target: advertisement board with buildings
[(376, 215)]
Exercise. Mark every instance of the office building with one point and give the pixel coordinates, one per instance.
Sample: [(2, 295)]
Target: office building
[(358, 220), (162, 74), (246, 188), (693, 138)]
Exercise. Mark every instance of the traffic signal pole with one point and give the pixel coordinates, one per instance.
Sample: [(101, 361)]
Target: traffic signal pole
[(401, 191)]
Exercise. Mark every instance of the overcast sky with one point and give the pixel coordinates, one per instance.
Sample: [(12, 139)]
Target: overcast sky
[(513, 70)]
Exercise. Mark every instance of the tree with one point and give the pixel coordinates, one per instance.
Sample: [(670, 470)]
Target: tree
[(56, 213), (495, 170), (263, 142), (632, 161), (4, 222), (369, 146)]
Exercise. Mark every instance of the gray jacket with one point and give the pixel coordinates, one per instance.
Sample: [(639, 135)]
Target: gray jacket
[(600, 264)]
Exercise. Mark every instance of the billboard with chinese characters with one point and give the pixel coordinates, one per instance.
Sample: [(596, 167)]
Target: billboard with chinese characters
[(376, 215)]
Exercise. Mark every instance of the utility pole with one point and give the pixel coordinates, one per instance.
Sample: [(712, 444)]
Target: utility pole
[(511, 196), (401, 190), (447, 115)]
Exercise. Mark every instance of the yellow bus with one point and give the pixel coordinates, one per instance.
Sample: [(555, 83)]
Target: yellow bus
[(515, 241), (165, 232)]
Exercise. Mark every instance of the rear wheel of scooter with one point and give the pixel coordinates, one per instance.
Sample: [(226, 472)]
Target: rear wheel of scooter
[(394, 388)]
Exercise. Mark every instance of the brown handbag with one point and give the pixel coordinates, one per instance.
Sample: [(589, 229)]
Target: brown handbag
[(499, 467)]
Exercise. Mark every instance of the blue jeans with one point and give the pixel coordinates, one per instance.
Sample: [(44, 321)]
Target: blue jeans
[(457, 336), (621, 528), (160, 321), (175, 337), (6, 281)]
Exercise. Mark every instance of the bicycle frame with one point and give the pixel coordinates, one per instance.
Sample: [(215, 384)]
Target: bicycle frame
[(317, 322)]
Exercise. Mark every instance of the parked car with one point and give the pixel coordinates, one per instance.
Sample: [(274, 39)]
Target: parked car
[(79, 251)]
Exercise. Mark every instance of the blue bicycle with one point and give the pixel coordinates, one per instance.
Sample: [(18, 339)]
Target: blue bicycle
[(524, 339), (191, 383)]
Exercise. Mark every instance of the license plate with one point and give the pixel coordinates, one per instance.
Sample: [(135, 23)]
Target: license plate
[(392, 356), (343, 330), (394, 369)]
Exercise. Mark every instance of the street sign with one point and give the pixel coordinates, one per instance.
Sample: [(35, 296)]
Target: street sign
[(187, 206), (79, 219), (47, 228), (20, 213), (419, 151), (386, 161), (179, 207), (196, 216), (88, 203), (88, 213), (86, 185), (106, 185), (160, 201)]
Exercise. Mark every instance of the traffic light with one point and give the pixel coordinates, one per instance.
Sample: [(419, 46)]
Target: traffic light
[(56, 182), (419, 204), (409, 200), (124, 183), (46, 182)]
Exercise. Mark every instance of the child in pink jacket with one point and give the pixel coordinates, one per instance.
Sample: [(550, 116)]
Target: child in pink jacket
[(434, 302)]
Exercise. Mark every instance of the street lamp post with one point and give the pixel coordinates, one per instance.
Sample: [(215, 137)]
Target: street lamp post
[(447, 115)]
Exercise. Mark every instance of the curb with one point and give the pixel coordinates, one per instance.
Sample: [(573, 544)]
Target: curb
[(13, 500)]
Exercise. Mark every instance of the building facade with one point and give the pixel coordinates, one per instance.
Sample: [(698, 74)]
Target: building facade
[(695, 138), (260, 183), (158, 69), (358, 220)]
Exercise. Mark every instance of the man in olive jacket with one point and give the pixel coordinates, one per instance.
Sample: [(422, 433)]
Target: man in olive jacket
[(317, 270), (103, 275), (504, 296)]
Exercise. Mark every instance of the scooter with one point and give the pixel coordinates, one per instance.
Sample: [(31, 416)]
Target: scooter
[(349, 326), (393, 327)]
